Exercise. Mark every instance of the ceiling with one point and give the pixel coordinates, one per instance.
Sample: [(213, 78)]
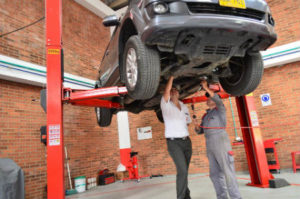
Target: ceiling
[(115, 4)]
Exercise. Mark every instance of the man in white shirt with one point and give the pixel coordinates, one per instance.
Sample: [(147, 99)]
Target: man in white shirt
[(176, 118)]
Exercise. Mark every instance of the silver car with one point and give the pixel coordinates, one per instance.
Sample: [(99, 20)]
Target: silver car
[(192, 40)]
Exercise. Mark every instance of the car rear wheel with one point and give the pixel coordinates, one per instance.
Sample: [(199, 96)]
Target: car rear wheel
[(159, 115), (142, 69), (246, 75), (104, 116)]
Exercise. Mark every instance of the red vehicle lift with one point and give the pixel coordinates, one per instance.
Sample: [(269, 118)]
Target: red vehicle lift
[(270, 148), (56, 95)]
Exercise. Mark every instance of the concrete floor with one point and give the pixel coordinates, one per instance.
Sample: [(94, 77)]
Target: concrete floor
[(199, 184)]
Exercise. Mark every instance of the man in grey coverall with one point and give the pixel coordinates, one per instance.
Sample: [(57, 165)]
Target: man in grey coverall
[(176, 118), (219, 152)]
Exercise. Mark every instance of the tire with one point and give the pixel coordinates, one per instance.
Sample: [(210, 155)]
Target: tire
[(142, 77), (104, 116), (159, 115), (246, 76)]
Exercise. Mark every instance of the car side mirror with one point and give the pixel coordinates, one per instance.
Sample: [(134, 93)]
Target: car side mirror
[(111, 20)]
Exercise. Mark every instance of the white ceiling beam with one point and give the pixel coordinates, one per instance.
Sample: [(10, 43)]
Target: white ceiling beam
[(97, 7), (118, 3), (121, 11)]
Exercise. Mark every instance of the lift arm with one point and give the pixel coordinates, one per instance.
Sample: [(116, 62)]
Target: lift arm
[(91, 97)]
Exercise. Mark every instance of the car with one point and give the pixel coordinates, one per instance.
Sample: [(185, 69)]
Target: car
[(192, 40)]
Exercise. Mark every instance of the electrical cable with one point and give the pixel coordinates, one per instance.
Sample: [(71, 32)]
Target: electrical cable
[(8, 33)]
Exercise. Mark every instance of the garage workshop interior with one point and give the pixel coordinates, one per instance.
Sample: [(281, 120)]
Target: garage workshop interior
[(149, 99)]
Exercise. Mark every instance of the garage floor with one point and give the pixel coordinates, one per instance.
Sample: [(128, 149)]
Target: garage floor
[(199, 184)]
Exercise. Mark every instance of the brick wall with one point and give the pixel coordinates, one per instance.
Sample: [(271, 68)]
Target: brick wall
[(282, 119), (287, 26), (92, 148), (20, 121), (84, 41)]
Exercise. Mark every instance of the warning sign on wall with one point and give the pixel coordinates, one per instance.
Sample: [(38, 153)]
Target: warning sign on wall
[(144, 133), (54, 135), (265, 99), (254, 118)]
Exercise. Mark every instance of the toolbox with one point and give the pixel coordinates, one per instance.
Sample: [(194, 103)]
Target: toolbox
[(105, 177)]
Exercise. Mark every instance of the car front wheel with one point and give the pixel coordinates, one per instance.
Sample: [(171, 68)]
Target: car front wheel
[(246, 75), (142, 69)]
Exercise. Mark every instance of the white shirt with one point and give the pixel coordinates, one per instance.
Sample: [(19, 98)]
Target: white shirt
[(175, 120)]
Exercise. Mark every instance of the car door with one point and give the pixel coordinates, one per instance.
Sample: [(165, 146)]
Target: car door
[(109, 65)]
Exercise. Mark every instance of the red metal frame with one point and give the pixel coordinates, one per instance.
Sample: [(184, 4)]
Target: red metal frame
[(256, 156), (253, 142), (74, 95), (55, 144), (295, 165), (91, 97), (56, 95), (133, 169), (199, 99), (271, 144)]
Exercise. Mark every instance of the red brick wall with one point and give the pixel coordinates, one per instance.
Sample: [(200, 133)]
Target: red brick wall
[(286, 15), (84, 41), (84, 37), (20, 121), (92, 148), (27, 44), (282, 118), (89, 147)]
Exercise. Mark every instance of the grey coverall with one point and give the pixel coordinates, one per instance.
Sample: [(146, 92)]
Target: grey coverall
[(219, 152)]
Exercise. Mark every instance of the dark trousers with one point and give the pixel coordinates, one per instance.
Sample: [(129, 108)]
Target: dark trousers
[(181, 153)]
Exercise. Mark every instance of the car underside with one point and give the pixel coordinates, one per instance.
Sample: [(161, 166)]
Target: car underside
[(194, 58), (192, 41)]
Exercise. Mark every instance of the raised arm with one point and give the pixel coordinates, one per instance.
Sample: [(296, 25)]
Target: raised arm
[(213, 96), (168, 89), (205, 87)]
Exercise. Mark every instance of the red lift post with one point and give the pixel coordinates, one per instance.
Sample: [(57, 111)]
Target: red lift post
[(55, 144), (56, 95), (254, 148), (271, 148), (253, 142)]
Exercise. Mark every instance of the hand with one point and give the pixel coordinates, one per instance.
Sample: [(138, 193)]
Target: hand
[(168, 75), (204, 84), (197, 127)]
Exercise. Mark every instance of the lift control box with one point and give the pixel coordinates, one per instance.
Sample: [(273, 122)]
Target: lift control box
[(44, 134)]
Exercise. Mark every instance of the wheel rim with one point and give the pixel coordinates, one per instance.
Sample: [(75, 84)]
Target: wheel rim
[(98, 113), (238, 69), (131, 68)]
